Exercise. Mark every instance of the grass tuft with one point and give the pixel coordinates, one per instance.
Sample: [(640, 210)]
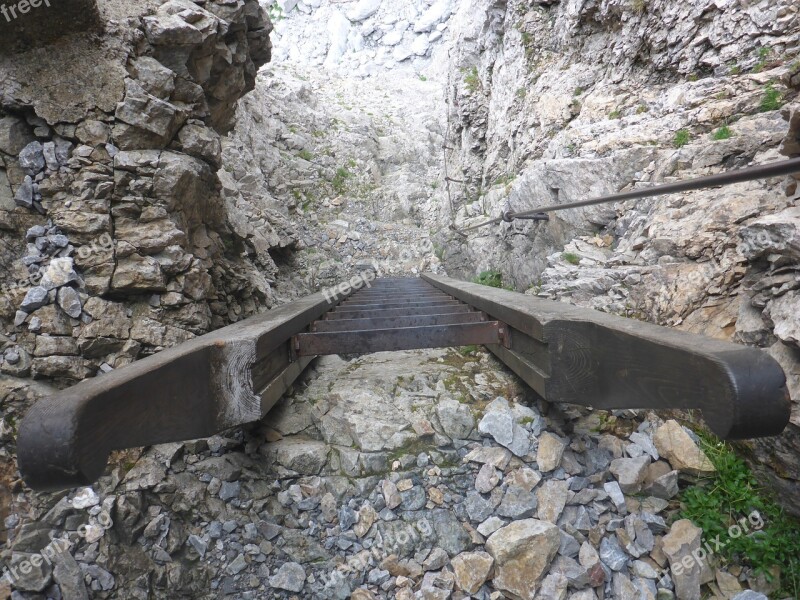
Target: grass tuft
[(729, 497), (340, 179), (763, 56), (571, 258), (490, 278), (682, 138), (771, 100), (472, 81), (723, 133)]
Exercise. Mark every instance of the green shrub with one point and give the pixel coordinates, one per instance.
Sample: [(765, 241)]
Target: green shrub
[(682, 138), (731, 494), (472, 81), (571, 258), (615, 114), (276, 12), (723, 133), (490, 278), (305, 155), (763, 55), (340, 178), (772, 99), (527, 41)]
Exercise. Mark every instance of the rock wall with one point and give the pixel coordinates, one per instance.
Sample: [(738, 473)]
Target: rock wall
[(557, 102), (115, 239), (343, 139), (38, 23)]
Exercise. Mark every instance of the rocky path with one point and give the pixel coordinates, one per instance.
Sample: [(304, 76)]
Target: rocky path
[(422, 474)]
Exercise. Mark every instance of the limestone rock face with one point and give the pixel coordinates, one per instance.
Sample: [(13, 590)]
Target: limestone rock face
[(682, 540), (551, 449), (141, 215), (522, 552), (680, 450), (471, 570)]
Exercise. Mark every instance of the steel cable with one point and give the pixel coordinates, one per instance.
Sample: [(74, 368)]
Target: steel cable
[(775, 169)]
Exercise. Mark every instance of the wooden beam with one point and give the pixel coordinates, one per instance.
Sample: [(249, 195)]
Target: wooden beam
[(595, 359), (211, 383)]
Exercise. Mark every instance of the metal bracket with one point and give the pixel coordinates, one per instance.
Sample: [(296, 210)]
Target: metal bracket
[(509, 216), (504, 333)]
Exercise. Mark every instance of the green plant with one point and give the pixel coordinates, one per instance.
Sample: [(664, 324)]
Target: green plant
[(505, 179), (422, 77), (468, 350), (490, 278), (527, 40), (340, 178), (639, 6), (772, 99), (763, 54), (522, 92), (472, 81), (578, 91), (434, 185), (641, 109), (723, 133), (734, 69), (682, 137), (305, 155), (276, 12), (615, 114), (693, 77), (728, 497), (571, 258)]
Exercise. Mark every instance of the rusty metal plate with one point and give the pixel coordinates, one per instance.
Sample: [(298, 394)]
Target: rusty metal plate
[(393, 322), (405, 338), (398, 312), (376, 305)]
